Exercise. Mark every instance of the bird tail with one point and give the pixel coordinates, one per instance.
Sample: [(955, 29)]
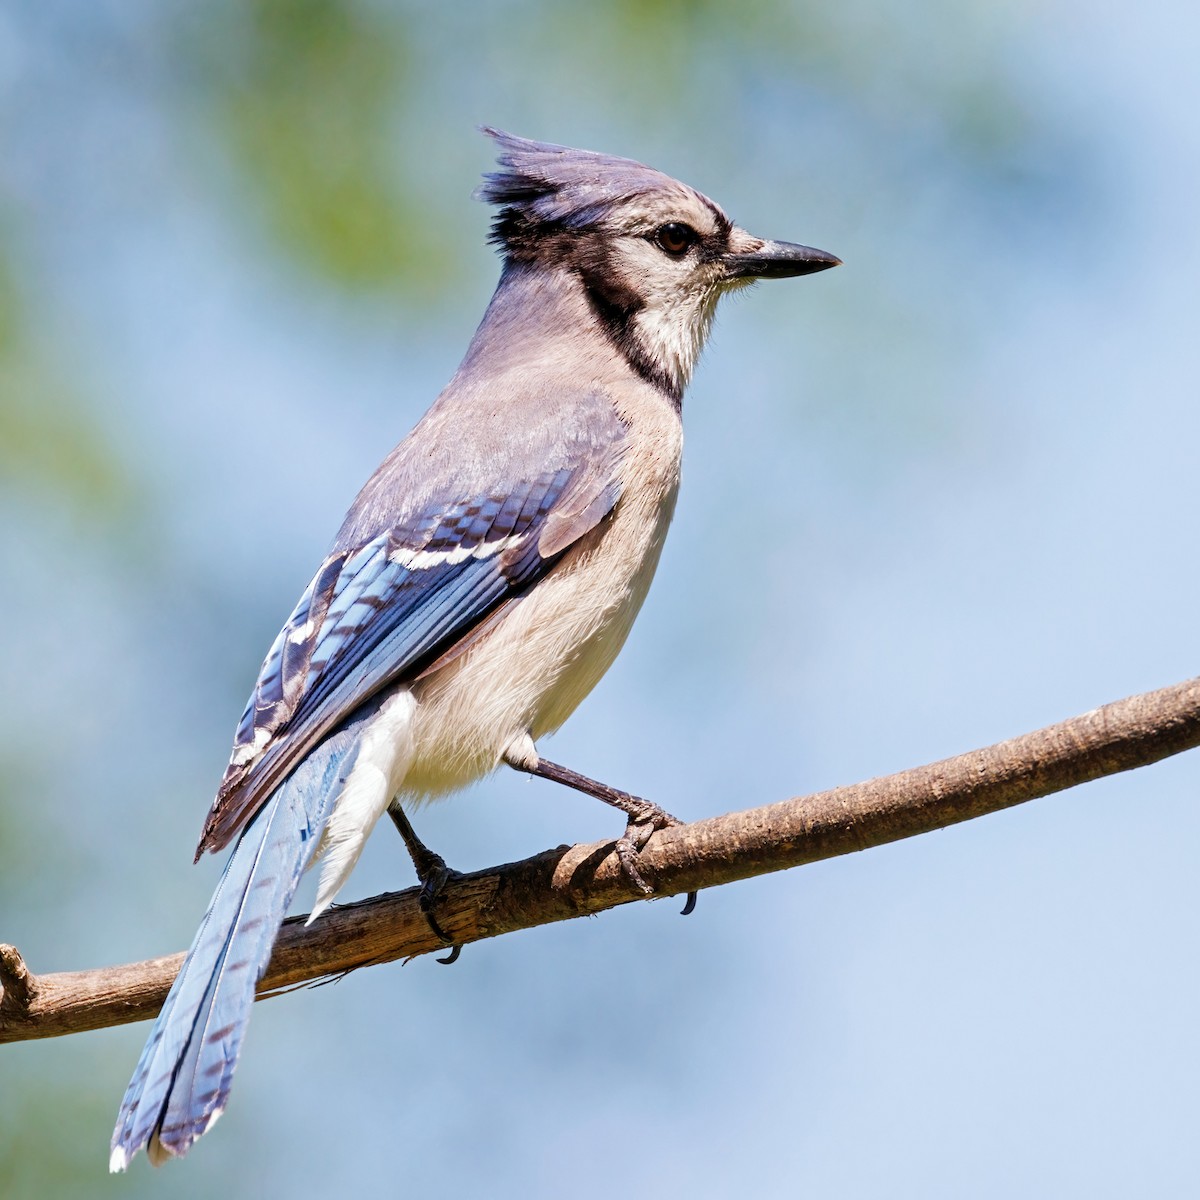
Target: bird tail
[(181, 1083)]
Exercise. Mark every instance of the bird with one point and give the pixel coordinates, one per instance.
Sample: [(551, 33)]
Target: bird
[(482, 582)]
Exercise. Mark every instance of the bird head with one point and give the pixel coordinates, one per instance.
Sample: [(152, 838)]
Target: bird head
[(653, 254)]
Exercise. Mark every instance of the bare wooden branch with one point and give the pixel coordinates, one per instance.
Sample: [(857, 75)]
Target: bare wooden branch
[(574, 881), (18, 988)]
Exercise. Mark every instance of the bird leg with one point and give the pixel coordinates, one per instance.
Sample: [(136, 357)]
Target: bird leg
[(431, 871), (644, 816)]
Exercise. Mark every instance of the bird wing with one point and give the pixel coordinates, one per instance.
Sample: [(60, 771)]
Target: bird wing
[(383, 609)]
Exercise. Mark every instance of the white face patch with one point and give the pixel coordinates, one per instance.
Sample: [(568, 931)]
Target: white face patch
[(678, 300), (677, 294), (673, 333)]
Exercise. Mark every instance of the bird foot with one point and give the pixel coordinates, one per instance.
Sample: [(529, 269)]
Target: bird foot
[(645, 819), (433, 883), (433, 873)]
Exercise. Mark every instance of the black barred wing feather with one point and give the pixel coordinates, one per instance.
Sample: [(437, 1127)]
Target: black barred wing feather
[(382, 612), (282, 677)]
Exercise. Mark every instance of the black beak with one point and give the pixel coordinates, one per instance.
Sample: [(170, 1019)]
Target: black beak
[(779, 260)]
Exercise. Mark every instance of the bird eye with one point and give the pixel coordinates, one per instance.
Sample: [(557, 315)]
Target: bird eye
[(675, 238)]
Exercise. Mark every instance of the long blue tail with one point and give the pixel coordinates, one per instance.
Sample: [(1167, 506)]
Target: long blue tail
[(181, 1083)]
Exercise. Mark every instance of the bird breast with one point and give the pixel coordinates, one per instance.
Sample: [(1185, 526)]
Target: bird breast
[(531, 669)]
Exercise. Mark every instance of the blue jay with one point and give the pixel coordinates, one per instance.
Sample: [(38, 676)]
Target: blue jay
[(481, 584)]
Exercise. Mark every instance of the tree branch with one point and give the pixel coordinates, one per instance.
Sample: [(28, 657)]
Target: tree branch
[(574, 881)]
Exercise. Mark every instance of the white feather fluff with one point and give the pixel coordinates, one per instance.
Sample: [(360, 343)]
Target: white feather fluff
[(384, 754)]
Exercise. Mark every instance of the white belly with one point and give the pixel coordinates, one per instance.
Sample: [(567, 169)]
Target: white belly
[(534, 667)]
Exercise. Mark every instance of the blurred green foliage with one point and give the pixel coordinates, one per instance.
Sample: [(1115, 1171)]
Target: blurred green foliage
[(304, 93), (48, 438), (33, 1165)]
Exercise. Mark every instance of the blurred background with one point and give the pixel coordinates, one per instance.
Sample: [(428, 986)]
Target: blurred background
[(238, 259)]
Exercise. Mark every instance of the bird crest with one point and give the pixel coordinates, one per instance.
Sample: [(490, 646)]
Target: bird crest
[(543, 187)]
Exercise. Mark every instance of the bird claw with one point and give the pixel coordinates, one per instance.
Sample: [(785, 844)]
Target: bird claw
[(627, 852), (434, 875), (645, 819), (432, 885)]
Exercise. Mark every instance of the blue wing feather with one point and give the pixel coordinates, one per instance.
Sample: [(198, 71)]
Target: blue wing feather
[(383, 610)]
